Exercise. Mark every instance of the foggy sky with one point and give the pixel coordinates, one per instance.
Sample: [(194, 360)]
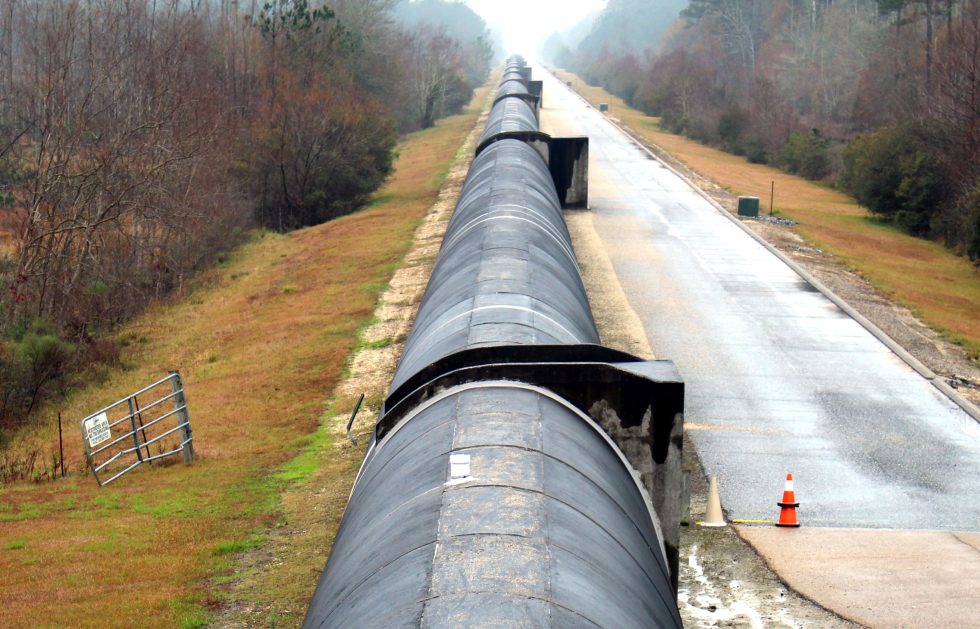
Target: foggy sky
[(536, 19)]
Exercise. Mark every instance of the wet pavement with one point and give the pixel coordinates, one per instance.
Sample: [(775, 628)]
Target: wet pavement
[(779, 379)]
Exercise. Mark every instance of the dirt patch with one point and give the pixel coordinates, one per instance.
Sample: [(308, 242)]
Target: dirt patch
[(724, 583)]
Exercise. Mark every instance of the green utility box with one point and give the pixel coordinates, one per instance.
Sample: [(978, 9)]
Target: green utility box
[(748, 206), (603, 106)]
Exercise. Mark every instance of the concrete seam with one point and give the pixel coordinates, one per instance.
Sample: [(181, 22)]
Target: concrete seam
[(968, 407), (968, 545)]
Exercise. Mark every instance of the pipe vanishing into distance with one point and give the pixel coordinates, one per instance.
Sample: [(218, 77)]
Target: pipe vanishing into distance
[(520, 473)]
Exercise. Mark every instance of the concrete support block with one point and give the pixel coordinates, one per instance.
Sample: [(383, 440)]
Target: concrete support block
[(569, 164)]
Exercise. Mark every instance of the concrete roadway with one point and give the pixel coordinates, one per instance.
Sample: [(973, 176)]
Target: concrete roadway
[(778, 378)]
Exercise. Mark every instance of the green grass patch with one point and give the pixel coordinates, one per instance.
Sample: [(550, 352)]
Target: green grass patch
[(107, 502), (113, 543), (17, 544), (378, 344), (175, 502), (381, 199), (239, 546), (440, 176), (303, 465), (25, 512), (189, 613)]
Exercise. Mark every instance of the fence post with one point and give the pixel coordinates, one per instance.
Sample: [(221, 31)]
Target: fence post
[(61, 447), (134, 401), (136, 434), (184, 419)]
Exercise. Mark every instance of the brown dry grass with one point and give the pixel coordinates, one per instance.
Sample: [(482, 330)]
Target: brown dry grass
[(273, 584), (940, 287), (261, 343)]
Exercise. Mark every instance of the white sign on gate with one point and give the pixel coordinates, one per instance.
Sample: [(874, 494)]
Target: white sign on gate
[(97, 430)]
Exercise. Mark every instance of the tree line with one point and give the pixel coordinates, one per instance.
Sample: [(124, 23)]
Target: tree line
[(139, 139), (879, 97)]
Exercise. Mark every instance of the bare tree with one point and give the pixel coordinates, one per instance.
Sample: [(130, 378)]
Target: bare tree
[(117, 134), (436, 67), (955, 100), (138, 138)]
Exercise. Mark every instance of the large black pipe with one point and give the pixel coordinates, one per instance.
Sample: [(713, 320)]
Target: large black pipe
[(509, 115), (496, 505), (506, 273), (490, 496), (511, 88)]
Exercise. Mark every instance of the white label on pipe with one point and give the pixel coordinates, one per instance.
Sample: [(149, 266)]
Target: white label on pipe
[(459, 466)]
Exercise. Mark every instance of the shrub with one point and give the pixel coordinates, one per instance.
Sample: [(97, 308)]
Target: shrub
[(731, 126), (891, 173), (968, 210), (702, 129), (807, 154), (756, 152), (31, 362), (13, 379), (974, 248), (317, 157), (653, 99)]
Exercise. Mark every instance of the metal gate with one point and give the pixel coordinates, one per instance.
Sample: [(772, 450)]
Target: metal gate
[(148, 425)]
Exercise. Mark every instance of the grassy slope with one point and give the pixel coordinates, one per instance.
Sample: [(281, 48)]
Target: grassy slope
[(261, 344), (942, 288)]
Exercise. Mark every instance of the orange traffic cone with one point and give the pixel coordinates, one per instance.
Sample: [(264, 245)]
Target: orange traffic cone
[(787, 515)]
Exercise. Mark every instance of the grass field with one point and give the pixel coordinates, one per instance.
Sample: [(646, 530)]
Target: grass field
[(943, 289), (261, 343)]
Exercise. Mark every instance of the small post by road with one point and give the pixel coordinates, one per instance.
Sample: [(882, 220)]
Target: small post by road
[(772, 196), (350, 422), (61, 447)]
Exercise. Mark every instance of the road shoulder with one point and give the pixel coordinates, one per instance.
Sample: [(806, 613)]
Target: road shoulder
[(879, 578)]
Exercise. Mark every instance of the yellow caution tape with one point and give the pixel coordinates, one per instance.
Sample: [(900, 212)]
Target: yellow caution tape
[(753, 521)]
